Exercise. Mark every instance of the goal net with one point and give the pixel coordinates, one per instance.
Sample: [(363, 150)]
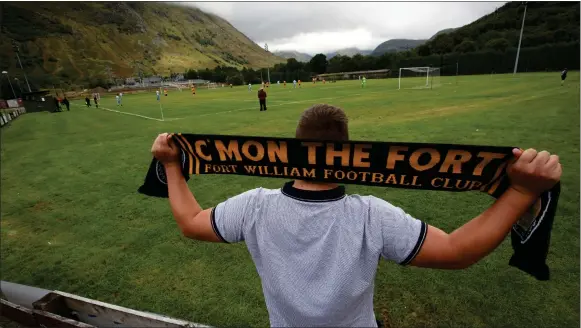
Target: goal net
[(212, 85), (355, 75), (173, 85), (419, 78)]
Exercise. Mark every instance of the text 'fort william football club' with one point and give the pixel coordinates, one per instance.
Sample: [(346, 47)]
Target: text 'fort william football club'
[(398, 165)]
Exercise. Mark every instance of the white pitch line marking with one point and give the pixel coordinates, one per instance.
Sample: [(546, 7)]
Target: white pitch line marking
[(142, 116), (126, 113), (283, 104)]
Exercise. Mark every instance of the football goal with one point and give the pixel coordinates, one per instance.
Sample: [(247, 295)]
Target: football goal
[(173, 85), (212, 85), (418, 78), (356, 75)]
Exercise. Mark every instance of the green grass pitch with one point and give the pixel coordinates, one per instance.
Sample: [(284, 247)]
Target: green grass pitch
[(72, 219)]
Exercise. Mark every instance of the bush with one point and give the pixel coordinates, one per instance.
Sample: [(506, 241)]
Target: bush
[(235, 80), (204, 41), (465, 46), (497, 44)]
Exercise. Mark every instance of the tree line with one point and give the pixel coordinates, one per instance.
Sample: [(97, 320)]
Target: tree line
[(488, 45), (548, 57), (550, 43)]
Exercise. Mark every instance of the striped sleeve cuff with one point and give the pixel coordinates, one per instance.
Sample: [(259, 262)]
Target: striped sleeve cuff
[(418, 246), (214, 227)]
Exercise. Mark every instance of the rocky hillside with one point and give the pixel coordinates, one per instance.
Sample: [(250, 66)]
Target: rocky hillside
[(76, 42)]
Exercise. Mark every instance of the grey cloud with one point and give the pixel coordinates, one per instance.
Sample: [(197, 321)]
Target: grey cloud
[(275, 20), (272, 21)]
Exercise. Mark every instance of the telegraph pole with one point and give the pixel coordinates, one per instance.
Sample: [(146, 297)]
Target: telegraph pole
[(136, 68), (268, 68), (456, 72), (110, 74), (520, 39)]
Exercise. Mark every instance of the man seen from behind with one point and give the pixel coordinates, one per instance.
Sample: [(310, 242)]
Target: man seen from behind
[(316, 249)]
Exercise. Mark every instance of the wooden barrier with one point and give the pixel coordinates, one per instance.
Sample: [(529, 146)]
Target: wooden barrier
[(36, 307)]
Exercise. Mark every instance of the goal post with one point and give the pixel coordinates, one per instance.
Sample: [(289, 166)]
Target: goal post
[(354, 75), (212, 85), (418, 78), (173, 85)]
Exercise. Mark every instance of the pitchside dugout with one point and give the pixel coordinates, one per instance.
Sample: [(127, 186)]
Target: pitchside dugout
[(38, 101)]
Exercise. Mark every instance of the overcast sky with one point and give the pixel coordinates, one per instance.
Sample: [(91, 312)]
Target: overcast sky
[(315, 27)]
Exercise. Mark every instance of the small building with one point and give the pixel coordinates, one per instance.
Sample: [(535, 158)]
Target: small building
[(373, 74), (38, 101), (198, 81), (179, 77), (152, 80)]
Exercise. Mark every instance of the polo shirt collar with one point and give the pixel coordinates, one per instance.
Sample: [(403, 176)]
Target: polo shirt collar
[(311, 195)]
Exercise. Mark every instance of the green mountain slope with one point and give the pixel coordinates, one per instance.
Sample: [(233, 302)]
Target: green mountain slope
[(444, 31), (396, 45), (299, 56), (546, 23), (349, 52), (80, 41)]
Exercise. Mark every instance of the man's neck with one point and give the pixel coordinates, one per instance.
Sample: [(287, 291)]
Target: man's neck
[(314, 186)]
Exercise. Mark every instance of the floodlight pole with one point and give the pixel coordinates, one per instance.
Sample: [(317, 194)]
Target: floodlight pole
[(22, 68), (18, 84), (160, 107), (8, 77), (520, 39), (399, 80), (267, 68)]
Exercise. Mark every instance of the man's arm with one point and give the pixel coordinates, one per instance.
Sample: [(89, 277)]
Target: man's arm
[(477, 238), (530, 175), (193, 221)]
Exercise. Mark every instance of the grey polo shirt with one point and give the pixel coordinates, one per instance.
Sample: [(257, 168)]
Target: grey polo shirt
[(317, 252)]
